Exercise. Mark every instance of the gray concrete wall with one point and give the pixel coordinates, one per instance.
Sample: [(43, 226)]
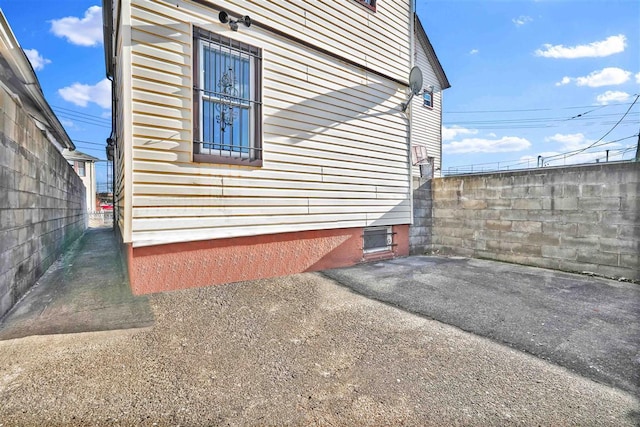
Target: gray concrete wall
[(420, 230), (42, 206), (583, 218)]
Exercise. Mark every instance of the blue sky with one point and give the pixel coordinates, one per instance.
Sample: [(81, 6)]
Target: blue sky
[(63, 40), (521, 71), (528, 77)]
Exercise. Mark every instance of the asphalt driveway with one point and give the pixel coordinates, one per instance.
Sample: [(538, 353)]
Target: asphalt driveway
[(587, 324), (303, 349), (292, 351)]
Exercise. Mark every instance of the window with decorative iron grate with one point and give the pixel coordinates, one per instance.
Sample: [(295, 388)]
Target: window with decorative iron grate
[(227, 100)]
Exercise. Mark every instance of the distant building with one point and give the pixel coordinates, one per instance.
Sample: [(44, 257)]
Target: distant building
[(85, 166)]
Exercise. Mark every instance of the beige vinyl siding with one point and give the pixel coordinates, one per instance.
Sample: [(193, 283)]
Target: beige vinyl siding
[(376, 39), (125, 112), (334, 138), (120, 186), (426, 122)]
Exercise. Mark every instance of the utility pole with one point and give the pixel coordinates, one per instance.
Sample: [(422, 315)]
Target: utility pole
[(638, 148)]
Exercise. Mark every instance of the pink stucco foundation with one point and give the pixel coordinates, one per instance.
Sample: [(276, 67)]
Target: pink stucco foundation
[(212, 262)]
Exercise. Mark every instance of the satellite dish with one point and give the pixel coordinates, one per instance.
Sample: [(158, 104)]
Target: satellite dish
[(415, 84), (415, 80)]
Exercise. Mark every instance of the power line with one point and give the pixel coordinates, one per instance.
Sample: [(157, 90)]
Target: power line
[(551, 125), (104, 144), (531, 109), (78, 116), (76, 119), (585, 113), (539, 119), (567, 154), (638, 148), (91, 149), (516, 162), (80, 113), (608, 132), (580, 150), (584, 119)]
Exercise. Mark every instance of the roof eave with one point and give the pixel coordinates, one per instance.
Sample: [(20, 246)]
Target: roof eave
[(78, 155), (431, 54), (107, 35), (23, 71)]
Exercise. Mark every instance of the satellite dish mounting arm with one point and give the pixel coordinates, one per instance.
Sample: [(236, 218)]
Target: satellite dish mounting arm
[(415, 84)]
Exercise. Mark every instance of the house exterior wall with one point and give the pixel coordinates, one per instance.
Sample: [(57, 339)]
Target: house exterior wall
[(89, 181), (335, 149), (579, 219), (121, 87), (183, 265), (426, 123), (43, 202)]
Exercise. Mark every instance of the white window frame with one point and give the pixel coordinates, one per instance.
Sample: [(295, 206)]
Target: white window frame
[(427, 91), (84, 168)]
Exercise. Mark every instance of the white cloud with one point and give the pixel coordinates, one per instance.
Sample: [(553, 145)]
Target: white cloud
[(473, 51), (565, 81), (37, 61), (67, 123), (638, 78), (453, 131), (569, 141), (609, 46), (572, 143), (482, 145), (612, 96), (521, 20), (81, 94), (86, 31), (606, 77)]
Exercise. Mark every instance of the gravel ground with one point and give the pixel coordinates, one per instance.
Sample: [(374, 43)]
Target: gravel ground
[(299, 350)]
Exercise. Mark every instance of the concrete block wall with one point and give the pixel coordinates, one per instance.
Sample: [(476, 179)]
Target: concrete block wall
[(578, 219), (420, 230), (42, 207)]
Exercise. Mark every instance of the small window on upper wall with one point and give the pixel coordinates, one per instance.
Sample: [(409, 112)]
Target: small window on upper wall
[(427, 97), (81, 168), (371, 4)]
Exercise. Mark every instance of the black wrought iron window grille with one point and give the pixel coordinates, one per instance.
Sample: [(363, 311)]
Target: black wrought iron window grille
[(227, 100)]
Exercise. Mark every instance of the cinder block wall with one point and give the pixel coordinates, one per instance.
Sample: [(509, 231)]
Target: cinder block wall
[(579, 219), (42, 207), (420, 230)]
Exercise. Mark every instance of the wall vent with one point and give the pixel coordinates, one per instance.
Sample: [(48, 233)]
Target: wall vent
[(377, 239)]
